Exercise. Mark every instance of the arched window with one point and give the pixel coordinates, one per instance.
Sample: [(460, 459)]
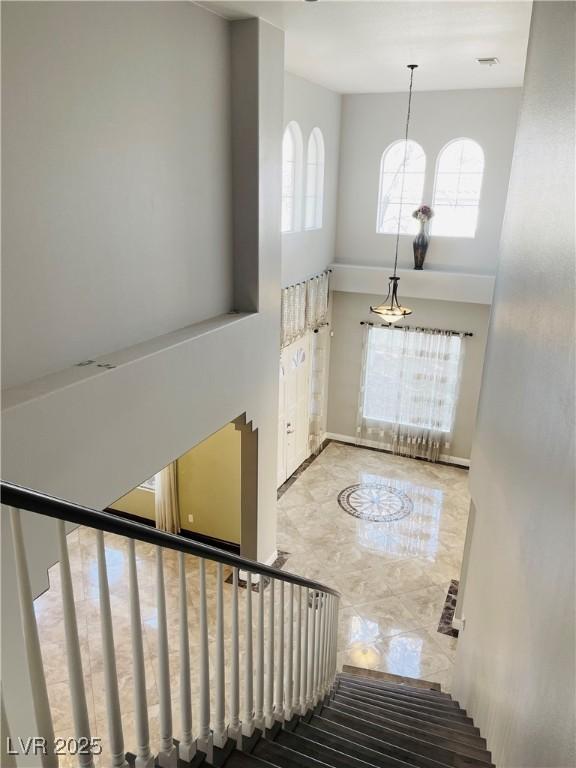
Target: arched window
[(457, 189), (397, 184), (314, 200), (291, 177)]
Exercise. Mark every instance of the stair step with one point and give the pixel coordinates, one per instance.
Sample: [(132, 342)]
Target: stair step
[(374, 744), (346, 743), (443, 705), (391, 706), (242, 760), (425, 732), (307, 746), (416, 693), (284, 757), (388, 677), (406, 722), (441, 750)]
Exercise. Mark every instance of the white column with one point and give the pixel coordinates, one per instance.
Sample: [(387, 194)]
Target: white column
[(234, 730), (259, 713), (204, 734), (144, 758), (269, 699), (75, 672), (248, 719), (219, 731), (186, 747), (297, 667), (290, 654), (305, 655), (113, 713), (167, 756), (40, 702), (279, 705)]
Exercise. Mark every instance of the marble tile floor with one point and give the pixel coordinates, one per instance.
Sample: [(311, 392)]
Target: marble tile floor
[(393, 578)]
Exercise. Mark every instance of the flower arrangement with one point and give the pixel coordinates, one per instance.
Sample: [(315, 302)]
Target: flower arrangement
[(423, 214)]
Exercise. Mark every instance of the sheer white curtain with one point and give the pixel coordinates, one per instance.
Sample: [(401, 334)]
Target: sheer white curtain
[(318, 374), (409, 390), (304, 307), (166, 499)]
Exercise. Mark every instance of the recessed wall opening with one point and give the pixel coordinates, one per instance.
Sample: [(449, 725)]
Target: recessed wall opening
[(208, 494)]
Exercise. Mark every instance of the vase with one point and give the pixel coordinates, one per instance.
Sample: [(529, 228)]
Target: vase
[(420, 246)]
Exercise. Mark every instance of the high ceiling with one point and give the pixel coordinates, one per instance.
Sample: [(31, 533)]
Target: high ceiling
[(354, 46)]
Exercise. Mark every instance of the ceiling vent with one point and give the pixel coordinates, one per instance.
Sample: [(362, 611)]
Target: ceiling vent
[(489, 62)]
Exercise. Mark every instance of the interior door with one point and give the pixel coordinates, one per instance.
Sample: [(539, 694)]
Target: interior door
[(294, 407)]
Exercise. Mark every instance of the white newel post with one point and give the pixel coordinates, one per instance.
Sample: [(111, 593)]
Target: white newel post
[(186, 747), (113, 713), (40, 702), (204, 735), (290, 654), (259, 712), (219, 732), (248, 719), (144, 758), (269, 700), (75, 672), (167, 756), (235, 731)]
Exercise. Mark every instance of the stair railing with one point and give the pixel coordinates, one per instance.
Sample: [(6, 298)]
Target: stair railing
[(289, 655)]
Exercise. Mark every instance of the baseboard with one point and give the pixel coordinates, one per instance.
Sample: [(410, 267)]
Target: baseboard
[(376, 446), (227, 546)]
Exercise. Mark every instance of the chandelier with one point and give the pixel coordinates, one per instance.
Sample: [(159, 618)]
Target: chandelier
[(391, 309)]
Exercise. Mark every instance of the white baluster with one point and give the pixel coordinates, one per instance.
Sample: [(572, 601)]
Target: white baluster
[(296, 697), (259, 713), (290, 654), (311, 653), (204, 734), (234, 730), (269, 699), (40, 700), (144, 758), (330, 624), (219, 732), (187, 746), (325, 645), (113, 713), (335, 640), (167, 755), (279, 706), (305, 656), (248, 719), (75, 672), (318, 647)]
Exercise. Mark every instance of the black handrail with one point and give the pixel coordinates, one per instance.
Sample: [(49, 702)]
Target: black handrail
[(50, 506)]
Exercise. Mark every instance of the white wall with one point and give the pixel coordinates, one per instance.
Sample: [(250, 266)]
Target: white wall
[(307, 253), (349, 309), (116, 178), (371, 122), (515, 667)]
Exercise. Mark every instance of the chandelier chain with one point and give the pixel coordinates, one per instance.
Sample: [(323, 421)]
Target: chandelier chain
[(412, 67)]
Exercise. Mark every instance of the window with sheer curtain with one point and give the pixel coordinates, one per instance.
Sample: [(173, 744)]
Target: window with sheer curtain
[(409, 390), (457, 187), (401, 188), (314, 181)]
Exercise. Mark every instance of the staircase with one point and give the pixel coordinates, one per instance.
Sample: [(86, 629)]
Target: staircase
[(268, 694)]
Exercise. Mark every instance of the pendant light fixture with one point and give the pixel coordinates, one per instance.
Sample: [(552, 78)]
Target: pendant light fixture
[(391, 309)]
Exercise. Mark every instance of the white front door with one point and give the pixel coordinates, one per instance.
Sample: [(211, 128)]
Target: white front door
[(294, 407)]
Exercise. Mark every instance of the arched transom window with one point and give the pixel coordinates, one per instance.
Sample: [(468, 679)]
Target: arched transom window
[(400, 183), (314, 201), (291, 177), (457, 189)]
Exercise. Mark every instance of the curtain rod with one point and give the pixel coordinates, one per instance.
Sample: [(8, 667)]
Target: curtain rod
[(303, 282), (417, 328)]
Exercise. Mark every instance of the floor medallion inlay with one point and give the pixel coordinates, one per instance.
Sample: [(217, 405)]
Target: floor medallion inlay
[(377, 502)]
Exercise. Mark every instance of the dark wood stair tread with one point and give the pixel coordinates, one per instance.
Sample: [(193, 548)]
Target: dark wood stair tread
[(284, 757), (409, 723), (242, 760), (306, 746), (399, 693), (388, 677)]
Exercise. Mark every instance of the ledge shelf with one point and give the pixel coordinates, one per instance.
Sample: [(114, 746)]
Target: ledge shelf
[(424, 284)]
